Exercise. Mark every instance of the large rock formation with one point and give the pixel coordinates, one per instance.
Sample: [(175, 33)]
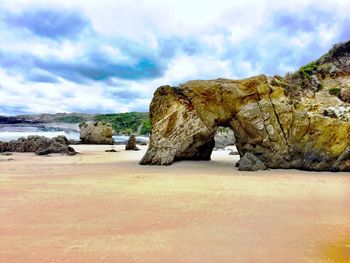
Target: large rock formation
[(96, 133), (38, 144), (285, 122)]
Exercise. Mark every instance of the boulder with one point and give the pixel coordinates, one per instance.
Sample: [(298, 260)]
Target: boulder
[(61, 139), (96, 133), (3, 146), (40, 145), (250, 162), (131, 145), (224, 137), (279, 119)]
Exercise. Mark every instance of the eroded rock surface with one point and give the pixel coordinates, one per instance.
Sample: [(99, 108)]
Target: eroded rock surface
[(96, 133), (38, 144), (131, 144), (281, 121), (224, 137), (250, 162)]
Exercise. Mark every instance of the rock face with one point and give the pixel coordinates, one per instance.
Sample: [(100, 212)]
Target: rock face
[(96, 133), (38, 144), (250, 162), (131, 145), (280, 121), (224, 137)]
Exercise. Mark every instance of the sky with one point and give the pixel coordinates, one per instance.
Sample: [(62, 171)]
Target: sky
[(110, 56)]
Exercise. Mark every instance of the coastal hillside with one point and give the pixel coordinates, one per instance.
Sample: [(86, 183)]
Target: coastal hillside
[(127, 123)]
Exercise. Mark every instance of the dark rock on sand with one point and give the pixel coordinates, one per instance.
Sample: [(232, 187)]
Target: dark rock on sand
[(250, 162), (111, 151), (139, 141), (131, 145), (40, 145), (232, 152)]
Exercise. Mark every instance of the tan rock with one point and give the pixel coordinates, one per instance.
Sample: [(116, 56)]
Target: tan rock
[(96, 133), (131, 144), (280, 121)]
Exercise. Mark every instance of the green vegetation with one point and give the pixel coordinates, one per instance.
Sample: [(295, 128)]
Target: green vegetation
[(127, 123), (335, 91), (122, 123), (69, 119), (146, 128), (308, 70), (279, 81)]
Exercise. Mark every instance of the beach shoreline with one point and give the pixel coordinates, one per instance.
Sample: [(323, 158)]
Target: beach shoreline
[(104, 207)]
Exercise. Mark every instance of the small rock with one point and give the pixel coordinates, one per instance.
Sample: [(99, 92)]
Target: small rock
[(232, 152), (71, 151), (237, 164), (131, 145), (250, 162), (111, 151), (6, 154), (43, 152), (139, 141)]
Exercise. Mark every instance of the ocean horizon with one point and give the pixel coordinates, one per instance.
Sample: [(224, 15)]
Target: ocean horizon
[(13, 133)]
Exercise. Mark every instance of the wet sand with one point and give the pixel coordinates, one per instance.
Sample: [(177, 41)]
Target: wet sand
[(104, 207)]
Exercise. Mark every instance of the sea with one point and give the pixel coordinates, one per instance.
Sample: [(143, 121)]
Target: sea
[(8, 133)]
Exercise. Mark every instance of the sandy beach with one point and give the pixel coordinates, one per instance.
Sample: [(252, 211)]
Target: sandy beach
[(104, 207)]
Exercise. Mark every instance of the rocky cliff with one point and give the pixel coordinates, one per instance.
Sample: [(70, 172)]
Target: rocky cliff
[(299, 121)]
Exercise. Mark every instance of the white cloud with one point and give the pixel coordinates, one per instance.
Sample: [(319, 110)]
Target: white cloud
[(231, 39), (49, 98)]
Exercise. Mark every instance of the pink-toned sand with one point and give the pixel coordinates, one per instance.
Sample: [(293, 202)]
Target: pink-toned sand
[(104, 207)]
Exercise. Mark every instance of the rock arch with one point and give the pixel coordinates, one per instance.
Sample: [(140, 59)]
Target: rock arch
[(265, 121)]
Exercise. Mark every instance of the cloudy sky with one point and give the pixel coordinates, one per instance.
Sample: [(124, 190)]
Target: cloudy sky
[(110, 55)]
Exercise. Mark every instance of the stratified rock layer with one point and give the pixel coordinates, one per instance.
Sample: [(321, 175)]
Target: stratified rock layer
[(280, 121), (96, 133)]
